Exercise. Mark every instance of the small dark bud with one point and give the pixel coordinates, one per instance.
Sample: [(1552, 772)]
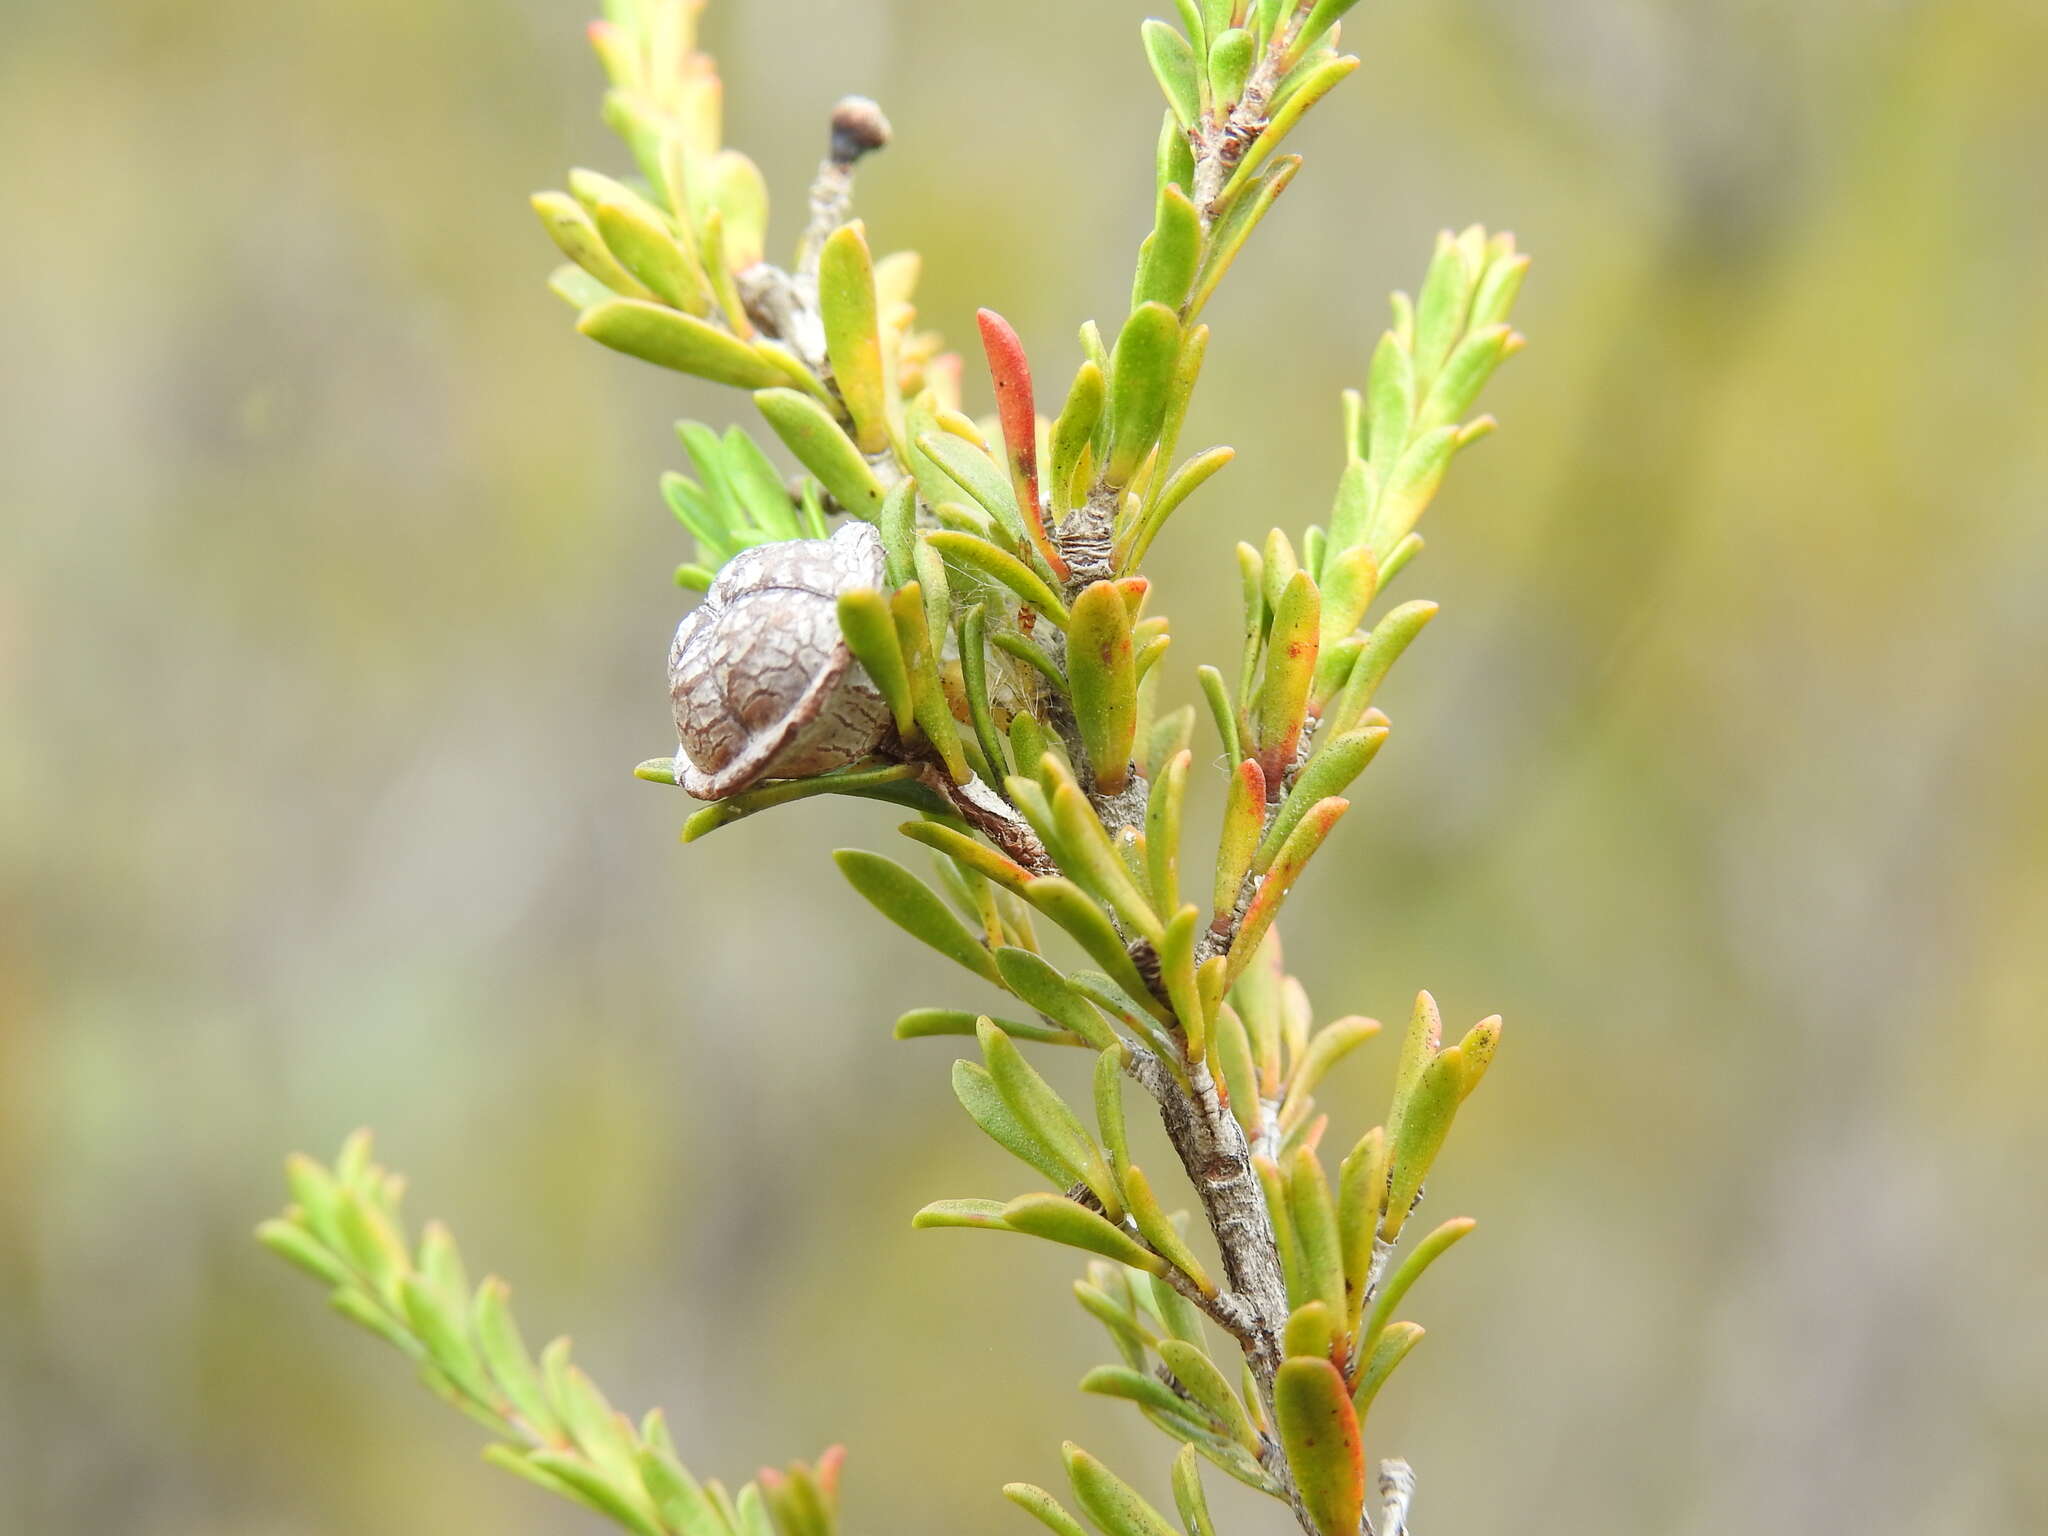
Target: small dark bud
[(858, 128)]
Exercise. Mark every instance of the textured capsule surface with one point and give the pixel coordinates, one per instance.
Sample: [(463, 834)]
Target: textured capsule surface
[(764, 684)]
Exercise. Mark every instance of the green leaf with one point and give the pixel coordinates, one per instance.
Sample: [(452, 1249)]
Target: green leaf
[(1044, 1508), (912, 906), (1443, 305), (1160, 1231), (1291, 651), (671, 339), (1035, 1104), (1173, 163), (1163, 808), (1104, 682), (1059, 1220), (296, 1245), (1395, 1340), (1202, 1381), (1188, 1497), (757, 485), (981, 558), (1231, 57), (1216, 693), (992, 1110), (1420, 1042), (1361, 1193), (1109, 1501), (896, 522), (984, 1214), (969, 854), (1424, 1121), (678, 1498), (1394, 633), (505, 1353), (980, 478), (1136, 1387), (1109, 1108), (1311, 1330), (1426, 1253), (1183, 483), (822, 446), (1244, 810), (1314, 1217), (1035, 982), (870, 633), (924, 1023), (597, 1490), (1177, 971), (1470, 365), (1173, 66), (1330, 770), (908, 607), (1478, 1046), (1247, 209), (1319, 1432), (1293, 857), (1411, 484), (1166, 265), (895, 783), (576, 236), (1073, 432), (1288, 110), (1232, 1054), (640, 236), (1063, 901), (853, 336), (1328, 1046), (1092, 861), (1141, 379)]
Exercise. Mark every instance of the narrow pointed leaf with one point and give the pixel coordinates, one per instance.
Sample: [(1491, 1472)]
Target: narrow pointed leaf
[(1062, 901), (822, 446), (1188, 1497), (666, 337), (912, 906), (1160, 1231), (1173, 66), (1332, 768), (1425, 1253), (1037, 1106), (1314, 1216), (1140, 380), (1291, 652), (1293, 857), (984, 1214), (1199, 1377), (853, 334), (1244, 813), (1425, 1121), (870, 631), (984, 559), (1395, 1340), (1059, 1220), (1109, 1501), (1035, 981), (1043, 1508), (1326, 1048), (980, 478)]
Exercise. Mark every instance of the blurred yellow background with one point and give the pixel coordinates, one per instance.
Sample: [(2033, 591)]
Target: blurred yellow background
[(333, 607)]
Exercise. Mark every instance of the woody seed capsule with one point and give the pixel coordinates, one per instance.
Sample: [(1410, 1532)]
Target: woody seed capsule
[(764, 684)]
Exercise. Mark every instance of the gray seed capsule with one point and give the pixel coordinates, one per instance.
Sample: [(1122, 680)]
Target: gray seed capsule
[(764, 684)]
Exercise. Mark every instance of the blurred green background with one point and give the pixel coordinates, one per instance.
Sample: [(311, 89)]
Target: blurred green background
[(333, 608)]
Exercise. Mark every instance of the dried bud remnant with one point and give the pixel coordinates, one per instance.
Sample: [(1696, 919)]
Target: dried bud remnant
[(858, 128), (764, 684)]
